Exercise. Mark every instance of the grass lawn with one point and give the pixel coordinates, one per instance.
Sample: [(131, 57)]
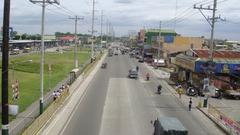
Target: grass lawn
[(27, 72)]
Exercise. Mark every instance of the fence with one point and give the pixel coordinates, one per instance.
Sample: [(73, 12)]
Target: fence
[(231, 126), (41, 120)]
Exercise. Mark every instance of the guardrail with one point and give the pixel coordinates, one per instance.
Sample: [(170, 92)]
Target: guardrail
[(47, 114), (232, 127)]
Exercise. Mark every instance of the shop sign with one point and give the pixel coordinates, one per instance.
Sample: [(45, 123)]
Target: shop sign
[(203, 67)]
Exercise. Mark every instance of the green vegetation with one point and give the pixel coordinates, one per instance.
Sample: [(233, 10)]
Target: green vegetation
[(27, 68)]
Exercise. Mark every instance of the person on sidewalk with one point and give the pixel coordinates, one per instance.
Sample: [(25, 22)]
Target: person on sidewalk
[(190, 104), (137, 68), (54, 95), (147, 76), (180, 91)]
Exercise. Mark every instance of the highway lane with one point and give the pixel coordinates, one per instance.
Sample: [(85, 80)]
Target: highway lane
[(86, 120), (117, 105), (170, 105)]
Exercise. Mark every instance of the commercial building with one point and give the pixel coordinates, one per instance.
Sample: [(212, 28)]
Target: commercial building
[(171, 42), (193, 66)]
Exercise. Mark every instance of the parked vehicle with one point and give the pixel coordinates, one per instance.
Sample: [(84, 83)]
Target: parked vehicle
[(141, 60), (169, 126), (191, 91), (133, 73), (15, 51), (234, 94), (159, 63), (27, 50), (214, 91)]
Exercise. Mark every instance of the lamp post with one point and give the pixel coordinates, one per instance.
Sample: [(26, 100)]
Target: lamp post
[(43, 2)]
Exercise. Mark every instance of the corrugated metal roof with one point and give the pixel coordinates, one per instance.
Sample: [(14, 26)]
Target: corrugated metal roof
[(222, 60), (218, 54)]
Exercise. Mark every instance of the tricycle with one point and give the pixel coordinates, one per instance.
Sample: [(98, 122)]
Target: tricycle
[(104, 65)]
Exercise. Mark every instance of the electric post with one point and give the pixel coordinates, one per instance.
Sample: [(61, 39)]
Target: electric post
[(76, 18), (211, 21), (43, 2), (5, 46), (93, 13), (160, 34), (106, 31), (101, 26)]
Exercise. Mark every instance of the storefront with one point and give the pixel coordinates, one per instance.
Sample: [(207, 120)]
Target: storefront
[(195, 68)]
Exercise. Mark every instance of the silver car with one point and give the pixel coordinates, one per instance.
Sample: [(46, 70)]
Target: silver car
[(133, 73)]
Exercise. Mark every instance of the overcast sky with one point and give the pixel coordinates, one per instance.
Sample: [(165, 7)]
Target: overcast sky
[(127, 15)]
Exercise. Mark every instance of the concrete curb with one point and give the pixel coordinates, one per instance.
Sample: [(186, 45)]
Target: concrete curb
[(219, 125)]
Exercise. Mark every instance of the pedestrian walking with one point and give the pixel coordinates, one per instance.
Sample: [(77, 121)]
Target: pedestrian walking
[(179, 91), (137, 68), (54, 95), (190, 104)]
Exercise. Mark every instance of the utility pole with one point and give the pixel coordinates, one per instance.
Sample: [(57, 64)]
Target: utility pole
[(101, 26), (106, 31), (160, 34), (43, 2), (111, 32), (93, 13), (76, 18), (212, 31), (5, 46), (211, 22)]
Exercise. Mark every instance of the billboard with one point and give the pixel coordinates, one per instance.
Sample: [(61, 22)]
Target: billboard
[(227, 68), (10, 33), (168, 39)]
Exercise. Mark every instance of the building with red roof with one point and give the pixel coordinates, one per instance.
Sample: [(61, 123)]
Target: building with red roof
[(194, 66)]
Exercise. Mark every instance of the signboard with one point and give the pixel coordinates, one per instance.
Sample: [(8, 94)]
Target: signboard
[(168, 39), (10, 33), (203, 67), (13, 109), (205, 84)]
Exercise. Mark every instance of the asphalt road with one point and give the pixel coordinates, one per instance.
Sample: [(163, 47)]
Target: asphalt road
[(116, 105)]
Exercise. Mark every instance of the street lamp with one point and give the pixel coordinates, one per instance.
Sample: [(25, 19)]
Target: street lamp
[(43, 4)]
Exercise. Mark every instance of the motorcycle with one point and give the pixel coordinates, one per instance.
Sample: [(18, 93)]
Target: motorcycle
[(147, 76), (159, 89)]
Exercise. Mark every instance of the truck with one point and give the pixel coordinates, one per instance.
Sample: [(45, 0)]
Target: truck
[(15, 51), (169, 126), (110, 52), (234, 94)]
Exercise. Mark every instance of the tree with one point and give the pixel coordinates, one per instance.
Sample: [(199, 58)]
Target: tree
[(16, 37), (24, 36)]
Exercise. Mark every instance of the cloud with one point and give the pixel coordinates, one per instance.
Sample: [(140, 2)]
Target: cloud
[(123, 1), (125, 15)]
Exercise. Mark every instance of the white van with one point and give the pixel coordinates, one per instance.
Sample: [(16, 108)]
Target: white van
[(159, 63)]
